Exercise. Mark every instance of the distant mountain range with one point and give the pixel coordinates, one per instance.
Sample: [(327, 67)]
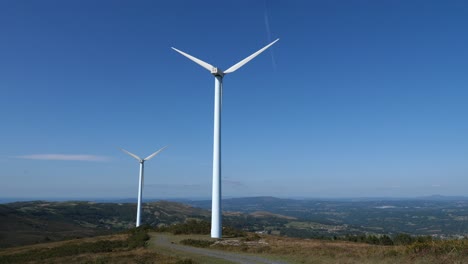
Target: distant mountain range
[(434, 197)]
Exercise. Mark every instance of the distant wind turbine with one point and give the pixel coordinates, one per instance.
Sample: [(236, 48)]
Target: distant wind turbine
[(141, 180), (216, 226)]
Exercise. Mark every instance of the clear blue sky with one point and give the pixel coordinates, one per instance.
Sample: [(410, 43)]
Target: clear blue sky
[(358, 98)]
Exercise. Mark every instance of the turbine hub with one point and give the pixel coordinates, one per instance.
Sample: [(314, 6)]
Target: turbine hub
[(217, 72)]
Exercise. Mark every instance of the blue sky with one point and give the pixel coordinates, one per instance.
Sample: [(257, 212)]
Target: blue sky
[(358, 98)]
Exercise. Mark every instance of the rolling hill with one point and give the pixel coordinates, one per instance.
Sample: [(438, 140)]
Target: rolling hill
[(25, 223), (33, 222)]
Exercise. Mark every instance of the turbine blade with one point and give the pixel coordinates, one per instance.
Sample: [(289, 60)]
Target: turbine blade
[(131, 154), (197, 61), (249, 58), (154, 154)]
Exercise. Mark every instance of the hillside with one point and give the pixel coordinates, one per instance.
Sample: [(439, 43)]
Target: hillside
[(25, 223), (150, 246), (128, 247)]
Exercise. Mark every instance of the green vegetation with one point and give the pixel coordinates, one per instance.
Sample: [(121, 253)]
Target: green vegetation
[(384, 240), (197, 243), (405, 239), (189, 227), (136, 238), (192, 226), (233, 232), (442, 247)]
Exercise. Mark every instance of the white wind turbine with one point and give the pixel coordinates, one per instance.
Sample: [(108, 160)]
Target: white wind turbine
[(141, 180), (216, 226)]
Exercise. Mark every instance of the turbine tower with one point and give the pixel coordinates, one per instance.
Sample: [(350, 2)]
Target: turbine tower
[(141, 179), (216, 226)]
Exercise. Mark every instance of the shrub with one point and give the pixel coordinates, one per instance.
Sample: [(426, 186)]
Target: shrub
[(189, 227), (385, 240), (232, 232), (198, 227), (369, 239), (403, 239), (138, 237), (439, 247), (197, 243), (251, 237)]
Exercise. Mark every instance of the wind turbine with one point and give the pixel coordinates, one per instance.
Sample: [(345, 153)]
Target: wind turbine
[(141, 180), (216, 226)]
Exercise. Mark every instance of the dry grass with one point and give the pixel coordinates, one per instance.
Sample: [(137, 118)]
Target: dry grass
[(320, 251), (290, 250), (293, 250), (134, 256), (317, 251), (15, 250), (119, 256)]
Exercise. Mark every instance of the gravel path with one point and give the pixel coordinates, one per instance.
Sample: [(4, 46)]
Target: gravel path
[(162, 240)]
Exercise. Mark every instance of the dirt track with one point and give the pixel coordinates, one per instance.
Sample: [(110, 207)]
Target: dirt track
[(163, 240)]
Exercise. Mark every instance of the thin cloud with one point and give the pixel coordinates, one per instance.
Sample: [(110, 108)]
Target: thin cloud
[(234, 183), (267, 23), (267, 27), (176, 186), (67, 157)]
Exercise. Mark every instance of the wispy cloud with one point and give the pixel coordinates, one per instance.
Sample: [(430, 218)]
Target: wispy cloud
[(234, 183), (176, 186), (267, 23), (69, 157), (267, 27)]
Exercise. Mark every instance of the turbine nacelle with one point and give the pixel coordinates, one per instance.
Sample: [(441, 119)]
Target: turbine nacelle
[(217, 72)]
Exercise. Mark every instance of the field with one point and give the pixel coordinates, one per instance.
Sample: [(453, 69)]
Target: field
[(441, 217)]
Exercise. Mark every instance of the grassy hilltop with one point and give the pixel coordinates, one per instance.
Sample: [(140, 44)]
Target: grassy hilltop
[(177, 244)]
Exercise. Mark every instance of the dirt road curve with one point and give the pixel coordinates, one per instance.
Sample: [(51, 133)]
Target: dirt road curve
[(163, 241)]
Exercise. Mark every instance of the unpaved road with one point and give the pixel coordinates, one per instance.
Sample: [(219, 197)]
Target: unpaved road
[(163, 240)]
